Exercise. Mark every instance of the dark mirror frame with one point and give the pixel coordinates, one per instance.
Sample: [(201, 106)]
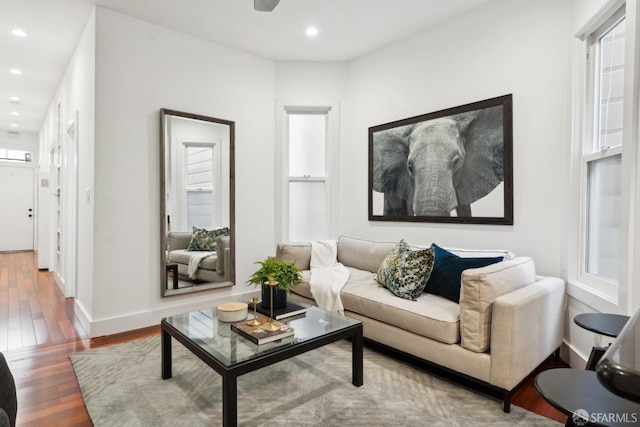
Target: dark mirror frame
[(165, 289)]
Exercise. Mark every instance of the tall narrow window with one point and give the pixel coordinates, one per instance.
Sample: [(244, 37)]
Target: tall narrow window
[(200, 188), (307, 180), (602, 155)]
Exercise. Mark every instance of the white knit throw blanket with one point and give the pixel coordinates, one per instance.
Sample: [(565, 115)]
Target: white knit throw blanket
[(194, 262), (328, 276)]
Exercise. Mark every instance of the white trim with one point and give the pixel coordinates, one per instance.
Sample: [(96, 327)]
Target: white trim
[(599, 18), (629, 295), (143, 319), (571, 355), (587, 295), (70, 218)]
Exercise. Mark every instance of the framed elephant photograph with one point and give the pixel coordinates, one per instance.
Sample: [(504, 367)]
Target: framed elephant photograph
[(451, 166)]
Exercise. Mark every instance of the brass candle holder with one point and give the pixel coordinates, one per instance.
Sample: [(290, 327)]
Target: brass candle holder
[(271, 326), (255, 322)]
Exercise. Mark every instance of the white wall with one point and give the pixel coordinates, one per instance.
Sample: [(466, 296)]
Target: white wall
[(79, 96), (140, 68), (76, 92), (519, 47), (311, 84)]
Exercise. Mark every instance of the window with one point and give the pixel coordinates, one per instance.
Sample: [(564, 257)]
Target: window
[(306, 185), (306, 170), (603, 153), (606, 160), (199, 186), (15, 155)]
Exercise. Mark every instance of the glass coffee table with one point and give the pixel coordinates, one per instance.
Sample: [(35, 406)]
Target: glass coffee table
[(231, 355)]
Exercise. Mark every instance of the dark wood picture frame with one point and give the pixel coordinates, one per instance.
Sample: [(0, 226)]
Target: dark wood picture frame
[(436, 167)]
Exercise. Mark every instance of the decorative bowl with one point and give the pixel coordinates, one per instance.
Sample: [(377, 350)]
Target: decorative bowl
[(232, 311)]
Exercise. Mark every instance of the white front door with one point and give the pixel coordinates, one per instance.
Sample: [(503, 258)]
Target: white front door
[(16, 208)]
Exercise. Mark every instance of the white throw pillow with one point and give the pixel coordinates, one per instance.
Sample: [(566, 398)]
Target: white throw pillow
[(480, 288)]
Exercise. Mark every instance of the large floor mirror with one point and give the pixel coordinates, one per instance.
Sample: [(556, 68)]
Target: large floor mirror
[(197, 202)]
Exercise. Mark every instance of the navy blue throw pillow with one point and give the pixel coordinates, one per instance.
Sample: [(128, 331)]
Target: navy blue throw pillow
[(447, 271)]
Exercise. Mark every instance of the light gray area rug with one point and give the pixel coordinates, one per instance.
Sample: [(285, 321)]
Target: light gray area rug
[(121, 386)]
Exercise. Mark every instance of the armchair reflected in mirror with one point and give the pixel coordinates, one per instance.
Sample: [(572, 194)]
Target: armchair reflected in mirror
[(197, 202)]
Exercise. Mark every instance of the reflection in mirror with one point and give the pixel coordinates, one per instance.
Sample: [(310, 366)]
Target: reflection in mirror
[(197, 202)]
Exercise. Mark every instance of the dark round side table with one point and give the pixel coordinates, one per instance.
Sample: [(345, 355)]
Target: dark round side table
[(580, 395), (603, 324)]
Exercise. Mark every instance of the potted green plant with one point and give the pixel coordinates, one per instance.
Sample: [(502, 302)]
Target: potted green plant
[(285, 273)]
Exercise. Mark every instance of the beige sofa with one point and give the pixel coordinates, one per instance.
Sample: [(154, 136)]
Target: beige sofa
[(213, 269), (507, 322)]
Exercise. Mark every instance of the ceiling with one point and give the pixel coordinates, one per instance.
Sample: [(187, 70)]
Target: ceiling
[(347, 29)]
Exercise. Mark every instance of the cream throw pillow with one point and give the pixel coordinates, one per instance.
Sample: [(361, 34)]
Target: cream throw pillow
[(480, 288)]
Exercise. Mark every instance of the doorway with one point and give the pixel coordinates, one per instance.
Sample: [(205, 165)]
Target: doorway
[(16, 208)]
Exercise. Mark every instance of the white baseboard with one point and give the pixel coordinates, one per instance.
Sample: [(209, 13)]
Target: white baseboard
[(573, 357), (132, 321), (82, 315)]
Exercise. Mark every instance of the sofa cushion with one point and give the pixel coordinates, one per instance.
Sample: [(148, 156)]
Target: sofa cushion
[(480, 288), (447, 270), (429, 315), (182, 256), (298, 253), (405, 272), (205, 240), (363, 254)]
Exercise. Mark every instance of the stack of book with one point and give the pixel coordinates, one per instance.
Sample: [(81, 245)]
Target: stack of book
[(292, 309), (258, 335)]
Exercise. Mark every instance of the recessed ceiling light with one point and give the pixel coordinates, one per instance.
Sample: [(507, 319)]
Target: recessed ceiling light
[(16, 71), (312, 31), (18, 32), (15, 113), (14, 100), (13, 125)]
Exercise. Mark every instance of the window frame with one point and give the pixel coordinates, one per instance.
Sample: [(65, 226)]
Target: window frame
[(591, 152), (288, 179), (331, 112), (589, 289)]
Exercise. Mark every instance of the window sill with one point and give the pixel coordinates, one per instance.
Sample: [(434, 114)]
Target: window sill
[(593, 299)]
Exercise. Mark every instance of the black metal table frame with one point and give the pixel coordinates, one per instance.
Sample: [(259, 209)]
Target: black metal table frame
[(230, 375), (173, 268)]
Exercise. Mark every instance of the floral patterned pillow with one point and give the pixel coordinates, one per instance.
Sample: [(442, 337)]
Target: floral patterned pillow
[(205, 240), (405, 272)]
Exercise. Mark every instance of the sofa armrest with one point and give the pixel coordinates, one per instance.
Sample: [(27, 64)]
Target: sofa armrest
[(223, 250), (526, 327)]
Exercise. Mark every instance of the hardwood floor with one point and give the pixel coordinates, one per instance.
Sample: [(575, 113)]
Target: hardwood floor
[(38, 331)]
